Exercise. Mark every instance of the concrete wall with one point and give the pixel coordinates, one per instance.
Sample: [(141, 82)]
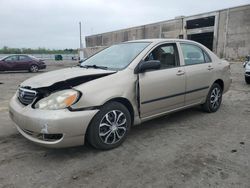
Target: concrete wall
[(231, 39), (237, 35), (222, 30), (172, 29), (167, 29), (92, 50)]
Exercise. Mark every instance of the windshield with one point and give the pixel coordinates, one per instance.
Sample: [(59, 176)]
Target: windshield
[(116, 57), (33, 57), (2, 58)]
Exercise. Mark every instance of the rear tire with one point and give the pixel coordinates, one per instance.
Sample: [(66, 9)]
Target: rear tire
[(109, 127), (214, 99), (33, 68), (247, 79)]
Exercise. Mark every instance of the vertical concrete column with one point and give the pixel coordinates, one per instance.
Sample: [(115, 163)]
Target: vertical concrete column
[(225, 35), (160, 31), (184, 23), (216, 30)]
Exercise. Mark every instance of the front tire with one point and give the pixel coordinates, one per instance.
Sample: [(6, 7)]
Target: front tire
[(247, 79), (109, 127), (214, 99), (33, 68)]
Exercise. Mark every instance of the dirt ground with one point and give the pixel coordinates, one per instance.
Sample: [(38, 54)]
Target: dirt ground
[(189, 148)]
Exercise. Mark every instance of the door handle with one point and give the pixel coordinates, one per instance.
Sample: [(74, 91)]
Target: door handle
[(210, 67), (180, 72)]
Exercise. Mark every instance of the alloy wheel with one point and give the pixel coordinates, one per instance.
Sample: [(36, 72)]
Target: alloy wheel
[(33, 68), (215, 98), (113, 127)]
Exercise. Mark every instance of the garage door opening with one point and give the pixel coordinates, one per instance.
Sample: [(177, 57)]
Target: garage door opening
[(201, 22), (204, 38)]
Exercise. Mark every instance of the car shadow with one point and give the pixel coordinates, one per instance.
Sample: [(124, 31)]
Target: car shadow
[(158, 123), (23, 147), (166, 120)]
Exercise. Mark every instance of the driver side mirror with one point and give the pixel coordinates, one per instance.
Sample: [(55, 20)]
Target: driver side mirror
[(244, 64), (147, 65)]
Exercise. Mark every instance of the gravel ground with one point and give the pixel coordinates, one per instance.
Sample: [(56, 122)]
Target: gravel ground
[(189, 148)]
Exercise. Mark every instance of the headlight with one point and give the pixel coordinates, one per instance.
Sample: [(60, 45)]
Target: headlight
[(58, 100)]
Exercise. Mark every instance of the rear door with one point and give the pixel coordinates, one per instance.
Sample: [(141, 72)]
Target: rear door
[(24, 62), (199, 70), (162, 90)]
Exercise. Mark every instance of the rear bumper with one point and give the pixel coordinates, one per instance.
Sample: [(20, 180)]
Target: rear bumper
[(36, 125), (227, 83)]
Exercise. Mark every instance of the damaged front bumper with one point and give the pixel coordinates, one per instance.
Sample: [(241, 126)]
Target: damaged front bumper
[(50, 128), (247, 73)]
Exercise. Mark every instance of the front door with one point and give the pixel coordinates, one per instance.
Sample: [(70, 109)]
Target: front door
[(164, 89), (24, 62)]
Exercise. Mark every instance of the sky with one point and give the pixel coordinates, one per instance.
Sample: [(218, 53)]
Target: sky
[(54, 24)]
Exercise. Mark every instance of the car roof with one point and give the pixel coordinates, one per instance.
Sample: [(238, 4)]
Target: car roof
[(16, 55), (158, 40), (30, 56)]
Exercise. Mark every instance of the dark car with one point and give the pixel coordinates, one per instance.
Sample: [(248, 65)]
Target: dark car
[(21, 62), (58, 57)]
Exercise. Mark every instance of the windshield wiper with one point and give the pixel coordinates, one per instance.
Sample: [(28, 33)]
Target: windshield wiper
[(94, 66)]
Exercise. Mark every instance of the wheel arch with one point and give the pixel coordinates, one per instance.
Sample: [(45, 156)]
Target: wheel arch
[(31, 64), (220, 82), (121, 100), (126, 103)]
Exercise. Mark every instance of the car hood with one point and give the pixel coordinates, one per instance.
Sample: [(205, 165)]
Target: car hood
[(71, 75)]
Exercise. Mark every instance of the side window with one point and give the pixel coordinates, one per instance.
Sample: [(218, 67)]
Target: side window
[(11, 58), (167, 54), (207, 58), (192, 54), (23, 58)]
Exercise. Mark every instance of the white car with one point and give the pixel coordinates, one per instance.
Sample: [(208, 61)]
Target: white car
[(247, 69)]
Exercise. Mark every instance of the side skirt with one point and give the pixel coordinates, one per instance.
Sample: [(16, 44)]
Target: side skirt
[(168, 112)]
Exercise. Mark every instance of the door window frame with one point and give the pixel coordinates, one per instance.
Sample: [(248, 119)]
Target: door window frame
[(161, 44), (198, 46), (12, 60), (27, 58)]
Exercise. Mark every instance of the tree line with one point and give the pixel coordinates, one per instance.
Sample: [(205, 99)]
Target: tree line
[(7, 50)]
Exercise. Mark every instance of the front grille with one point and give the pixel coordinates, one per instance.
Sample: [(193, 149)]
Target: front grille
[(26, 96)]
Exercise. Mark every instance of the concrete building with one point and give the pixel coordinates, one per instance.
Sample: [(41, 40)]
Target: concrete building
[(226, 32)]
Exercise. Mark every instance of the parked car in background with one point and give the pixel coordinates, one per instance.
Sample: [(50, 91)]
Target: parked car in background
[(21, 62), (246, 65), (58, 57), (120, 86)]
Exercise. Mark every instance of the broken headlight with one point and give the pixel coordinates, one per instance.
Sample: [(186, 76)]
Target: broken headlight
[(58, 100)]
